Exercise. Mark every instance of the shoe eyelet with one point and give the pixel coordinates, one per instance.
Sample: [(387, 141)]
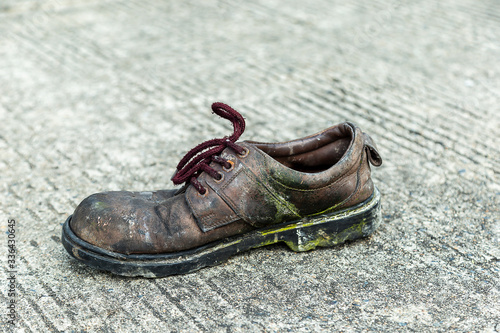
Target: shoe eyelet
[(245, 153), (229, 169), (221, 178), (204, 194)]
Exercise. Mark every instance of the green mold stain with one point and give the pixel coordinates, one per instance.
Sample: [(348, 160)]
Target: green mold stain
[(306, 240), (284, 210), (99, 205), (327, 240), (288, 227), (328, 210)]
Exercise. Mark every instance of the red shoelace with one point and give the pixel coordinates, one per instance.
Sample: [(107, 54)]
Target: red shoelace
[(197, 160)]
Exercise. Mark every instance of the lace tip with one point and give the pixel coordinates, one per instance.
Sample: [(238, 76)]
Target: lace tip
[(173, 175)]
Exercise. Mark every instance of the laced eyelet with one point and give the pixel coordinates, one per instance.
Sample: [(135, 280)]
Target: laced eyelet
[(228, 169), (220, 179), (245, 152), (204, 194)]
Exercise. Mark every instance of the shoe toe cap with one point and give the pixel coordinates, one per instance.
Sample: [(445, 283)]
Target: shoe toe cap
[(122, 222)]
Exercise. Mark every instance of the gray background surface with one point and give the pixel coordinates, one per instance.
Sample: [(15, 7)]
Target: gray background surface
[(108, 95)]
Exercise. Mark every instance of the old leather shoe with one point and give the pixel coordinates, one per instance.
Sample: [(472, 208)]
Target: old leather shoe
[(309, 192)]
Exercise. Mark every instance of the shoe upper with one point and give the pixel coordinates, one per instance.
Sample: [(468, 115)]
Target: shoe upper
[(269, 183)]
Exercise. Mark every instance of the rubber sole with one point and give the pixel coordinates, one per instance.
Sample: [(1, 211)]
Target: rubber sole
[(301, 235)]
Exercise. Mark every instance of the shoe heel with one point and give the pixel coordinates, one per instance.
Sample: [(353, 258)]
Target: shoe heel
[(335, 228)]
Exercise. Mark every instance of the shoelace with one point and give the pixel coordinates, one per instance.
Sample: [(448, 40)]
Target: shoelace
[(197, 160)]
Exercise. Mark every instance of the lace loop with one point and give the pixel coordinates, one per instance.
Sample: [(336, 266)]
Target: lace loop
[(197, 160)]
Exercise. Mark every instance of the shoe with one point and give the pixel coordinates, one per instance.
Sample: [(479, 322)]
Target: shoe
[(309, 192)]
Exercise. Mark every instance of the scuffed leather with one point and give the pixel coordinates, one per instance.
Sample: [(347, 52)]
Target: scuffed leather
[(273, 183)]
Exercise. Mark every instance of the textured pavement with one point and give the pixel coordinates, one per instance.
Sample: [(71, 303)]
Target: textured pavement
[(109, 95)]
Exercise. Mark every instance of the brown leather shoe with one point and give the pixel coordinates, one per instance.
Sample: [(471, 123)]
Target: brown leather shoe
[(309, 192)]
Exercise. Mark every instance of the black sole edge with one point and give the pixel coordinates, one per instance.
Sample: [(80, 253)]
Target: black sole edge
[(303, 235)]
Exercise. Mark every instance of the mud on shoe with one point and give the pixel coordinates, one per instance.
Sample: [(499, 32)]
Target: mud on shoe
[(236, 195)]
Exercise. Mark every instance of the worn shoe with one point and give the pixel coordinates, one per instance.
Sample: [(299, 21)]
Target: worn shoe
[(309, 192)]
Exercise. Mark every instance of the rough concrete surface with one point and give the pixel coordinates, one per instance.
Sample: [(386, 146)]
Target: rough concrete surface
[(108, 95)]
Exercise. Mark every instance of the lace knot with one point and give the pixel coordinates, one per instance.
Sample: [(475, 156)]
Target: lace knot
[(197, 160)]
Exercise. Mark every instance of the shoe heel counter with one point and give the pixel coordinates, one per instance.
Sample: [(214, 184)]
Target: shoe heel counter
[(370, 155)]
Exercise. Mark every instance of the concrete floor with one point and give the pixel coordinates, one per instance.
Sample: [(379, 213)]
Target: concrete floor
[(107, 95)]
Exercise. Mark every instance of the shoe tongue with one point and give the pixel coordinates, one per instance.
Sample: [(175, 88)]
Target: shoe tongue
[(227, 153), (182, 189)]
